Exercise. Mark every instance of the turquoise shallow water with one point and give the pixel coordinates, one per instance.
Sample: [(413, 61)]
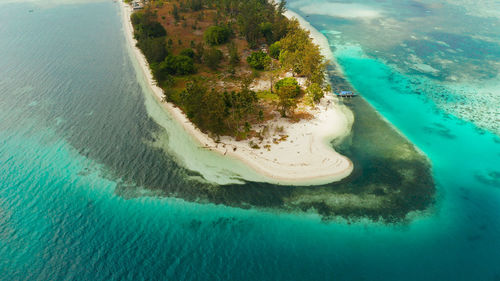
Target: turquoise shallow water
[(74, 134)]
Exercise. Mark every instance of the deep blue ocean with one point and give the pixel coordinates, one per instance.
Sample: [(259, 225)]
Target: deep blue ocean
[(75, 154)]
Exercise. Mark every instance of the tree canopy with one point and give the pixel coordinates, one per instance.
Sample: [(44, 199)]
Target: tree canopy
[(217, 112), (288, 90), (299, 54), (287, 99), (188, 52), (315, 92), (145, 25), (216, 35), (275, 49), (212, 57), (150, 36), (289, 82), (258, 19), (174, 65), (195, 5), (219, 101), (154, 49), (258, 60), (234, 57)]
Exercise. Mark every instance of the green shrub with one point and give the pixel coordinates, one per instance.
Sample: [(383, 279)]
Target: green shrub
[(289, 82), (195, 5), (154, 49), (315, 92), (187, 52), (172, 65), (234, 57), (145, 25), (212, 57), (258, 60), (266, 28), (275, 49), (184, 65), (216, 35)]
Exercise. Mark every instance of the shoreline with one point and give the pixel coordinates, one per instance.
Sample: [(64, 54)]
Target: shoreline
[(305, 158)]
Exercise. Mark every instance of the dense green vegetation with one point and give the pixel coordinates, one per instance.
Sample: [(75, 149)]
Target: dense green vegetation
[(315, 92), (234, 57), (146, 25), (301, 55), (288, 90), (195, 5), (288, 82), (273, 45), (188, 52), (150, 36), (256, 19), (275, 49), (216, 112), (212, 57)]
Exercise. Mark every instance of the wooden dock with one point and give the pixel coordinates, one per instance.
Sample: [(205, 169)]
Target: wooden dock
[(346, 94)]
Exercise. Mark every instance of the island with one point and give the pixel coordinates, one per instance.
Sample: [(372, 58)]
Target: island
[(248, 81), (256, 152)]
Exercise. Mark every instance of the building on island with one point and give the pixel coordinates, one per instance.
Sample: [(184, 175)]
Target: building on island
[(137, 5)]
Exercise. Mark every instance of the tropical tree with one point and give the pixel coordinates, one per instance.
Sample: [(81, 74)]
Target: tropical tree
[(154, 48), (288, 90), (275, 49), (200, 51), (287, 99), (195, 5), (234, 57), (299, 54), (266, 28), (192, 100), (214, 112), (258, 60), (183, 65), (213, 57), (188, 52), (315, 92), (216, 35), (289, 82), (146, 25), (175, 13)]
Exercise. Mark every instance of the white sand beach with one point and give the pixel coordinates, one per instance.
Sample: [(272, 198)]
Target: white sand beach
[(304, 158)]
